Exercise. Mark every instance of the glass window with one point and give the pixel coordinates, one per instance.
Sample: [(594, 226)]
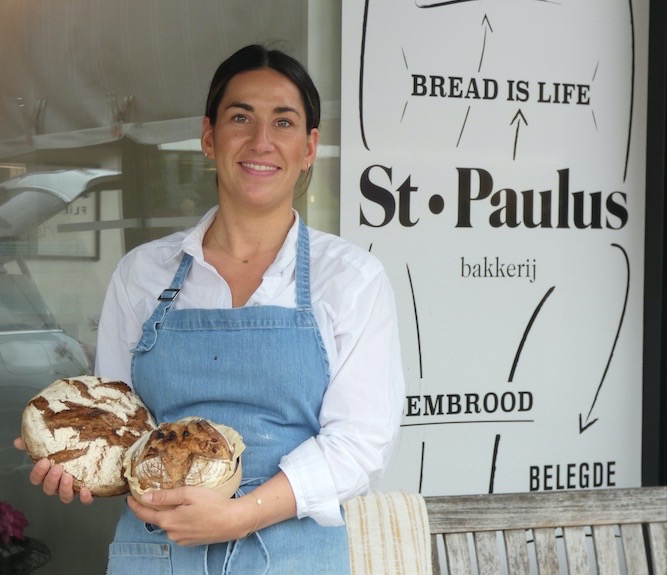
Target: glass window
[(114, 167)]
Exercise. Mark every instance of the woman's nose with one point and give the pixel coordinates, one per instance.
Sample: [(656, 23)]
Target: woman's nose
[(261, 137)]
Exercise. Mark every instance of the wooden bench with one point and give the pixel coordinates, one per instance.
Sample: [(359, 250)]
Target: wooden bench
[(604, 531), (627, 529)]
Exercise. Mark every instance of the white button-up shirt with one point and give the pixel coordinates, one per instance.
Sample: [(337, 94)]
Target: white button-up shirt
[(354, 306)]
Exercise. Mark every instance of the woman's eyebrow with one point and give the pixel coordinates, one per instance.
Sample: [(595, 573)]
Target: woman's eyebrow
[(246, 107), (285, 109), (249, 108)]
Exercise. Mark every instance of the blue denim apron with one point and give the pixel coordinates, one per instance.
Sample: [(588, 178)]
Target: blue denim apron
[(263, 371)]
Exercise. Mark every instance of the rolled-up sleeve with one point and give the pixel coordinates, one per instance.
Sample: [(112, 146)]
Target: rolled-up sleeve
[(361, 409)]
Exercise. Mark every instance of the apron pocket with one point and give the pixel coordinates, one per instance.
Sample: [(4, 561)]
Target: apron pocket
[(139, 558)]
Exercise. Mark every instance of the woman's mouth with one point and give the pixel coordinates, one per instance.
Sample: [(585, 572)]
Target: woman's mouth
[(259, 167)]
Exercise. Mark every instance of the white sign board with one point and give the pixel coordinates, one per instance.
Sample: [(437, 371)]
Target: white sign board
[(493, 157)]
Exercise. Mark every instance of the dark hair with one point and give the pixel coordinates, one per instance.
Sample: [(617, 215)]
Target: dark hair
[(255, 57)]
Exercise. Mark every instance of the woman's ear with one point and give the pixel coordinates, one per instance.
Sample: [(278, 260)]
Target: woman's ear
[(311, 149), (207, 137)]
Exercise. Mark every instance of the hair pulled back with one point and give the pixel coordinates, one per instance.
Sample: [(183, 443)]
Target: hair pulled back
[(256, 57)]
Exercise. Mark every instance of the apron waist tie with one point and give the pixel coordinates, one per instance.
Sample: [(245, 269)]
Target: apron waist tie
[(233, 547)]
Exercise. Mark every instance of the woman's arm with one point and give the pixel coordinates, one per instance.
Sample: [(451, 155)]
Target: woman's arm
[(200, 515), (118, 331), (361, 409)]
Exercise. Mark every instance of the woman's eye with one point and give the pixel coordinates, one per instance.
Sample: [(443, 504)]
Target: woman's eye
[(239, 118), (284, 123)]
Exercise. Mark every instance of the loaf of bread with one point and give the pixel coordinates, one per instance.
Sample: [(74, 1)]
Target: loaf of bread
[(191, 451), (86, 424)]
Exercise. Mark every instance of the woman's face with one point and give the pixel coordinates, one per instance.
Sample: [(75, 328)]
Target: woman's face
[(259, 143)]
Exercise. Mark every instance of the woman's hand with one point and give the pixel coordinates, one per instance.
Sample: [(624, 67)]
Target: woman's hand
[(196, 515), (54, 480), (200, 515)]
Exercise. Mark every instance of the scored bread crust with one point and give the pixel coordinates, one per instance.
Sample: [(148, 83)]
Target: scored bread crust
[(170, 454), (86, 424), (192, 451)]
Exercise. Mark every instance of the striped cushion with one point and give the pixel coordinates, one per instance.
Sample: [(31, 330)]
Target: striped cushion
[(389, 534)]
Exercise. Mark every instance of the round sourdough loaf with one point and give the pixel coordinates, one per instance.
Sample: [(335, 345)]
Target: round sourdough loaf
[(190, 451), (86, 424)]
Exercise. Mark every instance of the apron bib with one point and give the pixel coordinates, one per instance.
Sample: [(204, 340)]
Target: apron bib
[(262, 370)]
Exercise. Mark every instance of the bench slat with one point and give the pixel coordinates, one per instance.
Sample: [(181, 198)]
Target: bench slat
[(658, 538), (606, 555), (486, 549), (458, 554), (634, 549), (545, 551), (575, 550), (435, 556), (517, 551), (452, 514)]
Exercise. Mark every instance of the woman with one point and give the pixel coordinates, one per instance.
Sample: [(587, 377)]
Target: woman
[(253, 320)]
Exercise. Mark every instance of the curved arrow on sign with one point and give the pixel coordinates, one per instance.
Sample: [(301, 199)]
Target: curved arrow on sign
[(584, 425)]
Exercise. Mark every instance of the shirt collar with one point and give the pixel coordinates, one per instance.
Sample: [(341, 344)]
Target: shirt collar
[(194, 238), (287, 253)]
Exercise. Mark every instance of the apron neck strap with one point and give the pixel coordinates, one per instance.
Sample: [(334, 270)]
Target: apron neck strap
[(303, 267), (165, 301), (177, 281)]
